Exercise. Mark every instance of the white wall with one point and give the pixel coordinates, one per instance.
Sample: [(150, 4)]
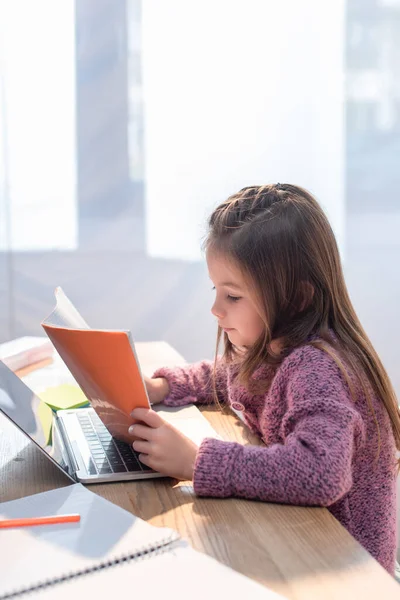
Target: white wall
[(37, 124), (239, 92)]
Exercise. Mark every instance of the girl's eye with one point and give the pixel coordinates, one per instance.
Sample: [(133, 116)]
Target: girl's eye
[(229, 297)]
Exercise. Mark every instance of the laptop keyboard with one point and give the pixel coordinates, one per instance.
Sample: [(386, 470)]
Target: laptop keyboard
[(109, 455)]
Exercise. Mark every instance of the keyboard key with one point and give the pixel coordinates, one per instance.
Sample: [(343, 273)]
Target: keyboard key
[(145, 467), (115, 462), (126, 456), (109, 448), (91, 467), (121, 444), (113, 454), (131, 460), (129, 451), (118, 468), (134, 467), (99, 425), (99, 454), (105, 469), (124, 447)]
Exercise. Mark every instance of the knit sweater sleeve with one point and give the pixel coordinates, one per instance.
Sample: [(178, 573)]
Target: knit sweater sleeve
[(312, 465), (195, 383)]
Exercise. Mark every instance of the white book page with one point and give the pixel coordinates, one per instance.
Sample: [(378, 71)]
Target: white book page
[(65, 314), (22, 344)]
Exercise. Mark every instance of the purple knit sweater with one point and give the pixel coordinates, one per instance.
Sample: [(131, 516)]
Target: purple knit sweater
[(320, 445)]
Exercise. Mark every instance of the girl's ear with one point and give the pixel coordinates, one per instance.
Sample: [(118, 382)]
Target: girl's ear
[(306, 295)]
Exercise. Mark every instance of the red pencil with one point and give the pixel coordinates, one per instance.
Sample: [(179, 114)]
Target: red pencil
[(54, 520)]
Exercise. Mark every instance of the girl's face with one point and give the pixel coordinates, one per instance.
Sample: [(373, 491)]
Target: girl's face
[(233, 306)]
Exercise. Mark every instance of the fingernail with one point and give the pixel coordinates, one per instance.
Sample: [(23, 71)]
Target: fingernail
[(131, 429)]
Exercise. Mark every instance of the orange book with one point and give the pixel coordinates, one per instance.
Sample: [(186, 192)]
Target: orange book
[(103, 362)]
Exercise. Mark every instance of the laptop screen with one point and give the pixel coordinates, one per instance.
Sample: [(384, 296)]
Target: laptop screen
[(29, 413)]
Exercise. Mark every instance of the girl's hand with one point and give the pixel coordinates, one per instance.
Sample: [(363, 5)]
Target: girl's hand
[(157, 389), (162, 447)]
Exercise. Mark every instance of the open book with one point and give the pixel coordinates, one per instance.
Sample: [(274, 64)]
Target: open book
[(103, 362), (109, 552), (25, 351)]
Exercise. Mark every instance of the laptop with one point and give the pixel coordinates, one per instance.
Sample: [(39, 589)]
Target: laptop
[(80, 445)]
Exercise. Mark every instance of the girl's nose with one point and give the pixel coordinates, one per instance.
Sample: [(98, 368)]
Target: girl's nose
[(217, 311)]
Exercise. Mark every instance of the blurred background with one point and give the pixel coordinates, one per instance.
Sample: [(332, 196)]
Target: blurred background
[(123, 123)]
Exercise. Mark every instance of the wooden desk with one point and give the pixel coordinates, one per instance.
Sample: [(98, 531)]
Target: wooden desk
[(302, 553)]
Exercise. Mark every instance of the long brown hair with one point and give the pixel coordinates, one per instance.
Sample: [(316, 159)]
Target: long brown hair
[(282, 241)]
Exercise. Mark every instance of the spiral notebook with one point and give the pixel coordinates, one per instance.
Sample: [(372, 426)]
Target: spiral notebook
[(179, 574), (36, 558), (108, 555)]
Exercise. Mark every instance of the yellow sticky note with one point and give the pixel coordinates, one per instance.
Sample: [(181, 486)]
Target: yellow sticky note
[(46, 419), (64, 396)]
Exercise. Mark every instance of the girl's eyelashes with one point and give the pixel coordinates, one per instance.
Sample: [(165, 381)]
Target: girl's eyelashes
[(229, 297)]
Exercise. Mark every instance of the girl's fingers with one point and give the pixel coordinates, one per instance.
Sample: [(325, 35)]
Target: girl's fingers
[(148, 416), (145, 459), (141, 431), (141, 446)]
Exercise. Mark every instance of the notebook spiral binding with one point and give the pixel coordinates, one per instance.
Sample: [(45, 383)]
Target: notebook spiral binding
[(143, 553)]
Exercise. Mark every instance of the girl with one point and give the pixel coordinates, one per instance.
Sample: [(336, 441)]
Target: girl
[(297, 367)]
